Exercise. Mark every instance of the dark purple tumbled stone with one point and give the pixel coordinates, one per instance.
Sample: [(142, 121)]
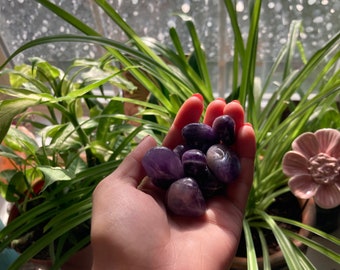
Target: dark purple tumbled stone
[(210, 185), (194, 163), (224, 128), (223, 163), (163, 166), (184, 198), (199, 136)]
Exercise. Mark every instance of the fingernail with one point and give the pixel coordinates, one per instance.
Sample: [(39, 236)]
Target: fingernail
[(219, 98), (198, 95), (145, 138), (236, 101)]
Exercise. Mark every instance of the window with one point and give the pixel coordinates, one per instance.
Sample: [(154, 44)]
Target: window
[(24, 20)]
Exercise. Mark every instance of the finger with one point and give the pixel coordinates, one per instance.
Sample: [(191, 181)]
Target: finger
[(235, 110), (246, 142), (190, 112), (238, 191), (214, 110), (131, 170)]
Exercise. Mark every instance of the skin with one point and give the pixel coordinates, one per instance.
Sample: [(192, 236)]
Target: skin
[(131, 228)]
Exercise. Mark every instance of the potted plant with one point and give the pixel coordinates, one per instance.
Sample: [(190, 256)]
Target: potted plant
[(59, 138), (172, 78)]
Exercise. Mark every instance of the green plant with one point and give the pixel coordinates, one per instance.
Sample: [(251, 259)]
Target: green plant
[(79, 135), (171, 78)]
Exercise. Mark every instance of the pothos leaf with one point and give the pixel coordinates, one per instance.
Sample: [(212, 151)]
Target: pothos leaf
[(19, 139), (11, 108), (16, 80), (54, 174), (16, 187)]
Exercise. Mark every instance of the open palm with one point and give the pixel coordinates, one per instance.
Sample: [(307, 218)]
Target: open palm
[(131, 228)]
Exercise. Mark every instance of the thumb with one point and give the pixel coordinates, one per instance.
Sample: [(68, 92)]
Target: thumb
[(131, 170)]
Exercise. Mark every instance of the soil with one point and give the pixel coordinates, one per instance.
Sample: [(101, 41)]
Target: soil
[(286, 206)]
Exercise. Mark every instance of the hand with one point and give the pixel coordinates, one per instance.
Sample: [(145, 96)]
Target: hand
[(131, 228)]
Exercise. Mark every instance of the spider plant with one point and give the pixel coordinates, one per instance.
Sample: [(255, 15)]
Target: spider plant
[(169, 76)]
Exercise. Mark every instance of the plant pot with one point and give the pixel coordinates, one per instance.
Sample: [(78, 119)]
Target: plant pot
[(327, 220), (34, 264), (277, 260), (80, 260)]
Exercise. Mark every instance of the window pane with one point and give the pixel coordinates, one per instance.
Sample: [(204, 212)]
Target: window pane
[(25, 20)]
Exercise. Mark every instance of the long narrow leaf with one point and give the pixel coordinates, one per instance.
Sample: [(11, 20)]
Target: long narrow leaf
[(331, 238), (330, 253), (265, 251), (249, 60), (201, 59), (125, 142), (111, 12), (67, 17), (285, 244), (292, 40), (49, 238), (66, 255), (305, 262), (26, 221), (235, 25), (177, 43), (143, 78), (251, 254)]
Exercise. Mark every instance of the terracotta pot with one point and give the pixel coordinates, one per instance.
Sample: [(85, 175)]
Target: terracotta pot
[(34, 264), (81, 260), (277, 259)]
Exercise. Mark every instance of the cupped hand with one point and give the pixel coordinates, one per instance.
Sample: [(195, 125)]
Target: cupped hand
[(131, 228)]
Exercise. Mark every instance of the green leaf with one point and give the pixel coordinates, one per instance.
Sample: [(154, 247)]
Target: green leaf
[(265, 250), (26, 221), (249, 59), (113, 107), (75, 163), (45, 71), (19, 141), (200, 60), (82, 91), (54, 174), (239, 44), (100, 151), (10, 154), (50, 236), (251, 254), (127, 141), (322, 249), (63, 137), (5, 177), (11, 108), (331, 238), (294, 32), (286, 246), (177, 43), (16, 187), (16, 80), (111, 75)]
